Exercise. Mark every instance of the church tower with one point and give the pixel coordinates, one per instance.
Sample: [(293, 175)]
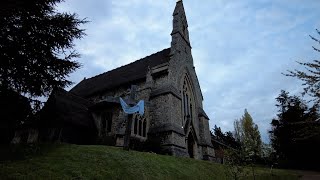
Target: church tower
[(184, 127), (180, 33), (174, 122)]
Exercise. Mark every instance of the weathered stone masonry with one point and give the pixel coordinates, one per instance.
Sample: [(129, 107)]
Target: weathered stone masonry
[(168, 83)]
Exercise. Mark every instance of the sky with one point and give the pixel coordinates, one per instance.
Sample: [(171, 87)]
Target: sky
[(240, 48)]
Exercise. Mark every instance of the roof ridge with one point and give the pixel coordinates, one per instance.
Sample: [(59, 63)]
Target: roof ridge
[(125, 65), (123, 74), (72, 94)]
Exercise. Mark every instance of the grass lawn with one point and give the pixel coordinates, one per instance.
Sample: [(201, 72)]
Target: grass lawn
[(67, 161)]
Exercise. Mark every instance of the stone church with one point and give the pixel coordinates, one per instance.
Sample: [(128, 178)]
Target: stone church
[(166, 81)]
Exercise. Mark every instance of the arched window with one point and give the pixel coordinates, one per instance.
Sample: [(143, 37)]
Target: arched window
[(140, 127), (109, 121), (187, 101), (184, 103), (144, 128), (106, 122), (103, 123), (135, 129)]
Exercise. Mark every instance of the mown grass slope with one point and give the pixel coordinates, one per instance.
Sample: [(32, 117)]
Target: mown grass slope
[(102, 162)]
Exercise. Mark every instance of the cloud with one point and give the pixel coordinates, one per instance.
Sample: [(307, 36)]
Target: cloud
[(240, 48)]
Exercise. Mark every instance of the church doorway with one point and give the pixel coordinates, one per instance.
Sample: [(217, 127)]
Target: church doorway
[(191, 144)]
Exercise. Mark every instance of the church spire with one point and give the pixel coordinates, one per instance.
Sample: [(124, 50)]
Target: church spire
[(180, 33)]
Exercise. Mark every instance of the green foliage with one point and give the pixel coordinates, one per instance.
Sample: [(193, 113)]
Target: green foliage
[(218, 134), (267, 153), (36, 45), (295, 131), (311, 75), (235, 163), (225, 138), (247, 133), (102, 162)]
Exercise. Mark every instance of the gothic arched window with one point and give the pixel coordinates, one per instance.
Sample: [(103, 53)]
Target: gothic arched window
[(106, 122), (140, 125), (187, 101), (135, 129), (144, 128)]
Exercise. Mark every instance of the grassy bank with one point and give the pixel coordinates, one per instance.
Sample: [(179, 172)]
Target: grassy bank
[(103, 162)]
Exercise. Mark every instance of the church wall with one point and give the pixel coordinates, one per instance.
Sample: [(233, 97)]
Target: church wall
[(205, 139), (166, 121), (117, 92), (159, 111), (118, 117), (201, 129), (182, 71), (181, 64), (206, 130), (176, 112), (179, 140), (162, 92), (117, 120), (160, 80), (189, 69), (208, 153), (200, 152)]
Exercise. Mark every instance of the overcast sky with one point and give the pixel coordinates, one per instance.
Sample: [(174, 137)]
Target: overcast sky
[(240, 48)]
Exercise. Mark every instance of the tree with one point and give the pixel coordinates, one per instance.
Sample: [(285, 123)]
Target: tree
[(36, 46), (310, 77), (225, 138), (231, 141), (36, 56), (295, 131), (218, 134), (247, 132)]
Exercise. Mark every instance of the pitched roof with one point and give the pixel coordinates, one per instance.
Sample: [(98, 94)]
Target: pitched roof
[(63, 106), (120, 76)]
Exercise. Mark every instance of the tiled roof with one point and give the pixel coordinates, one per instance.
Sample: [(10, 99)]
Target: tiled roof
[(120, 76)]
